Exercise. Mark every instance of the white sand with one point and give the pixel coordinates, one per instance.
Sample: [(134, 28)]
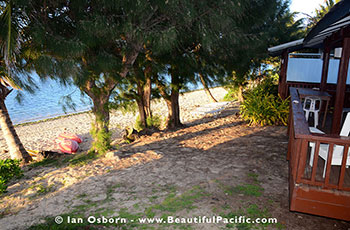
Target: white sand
[(40, 136)]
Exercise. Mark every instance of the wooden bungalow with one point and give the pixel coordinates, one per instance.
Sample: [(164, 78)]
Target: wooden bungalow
[(316, 184)]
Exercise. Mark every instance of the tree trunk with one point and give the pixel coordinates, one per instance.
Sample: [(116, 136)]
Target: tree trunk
[(101, 112), (170, 112), (147, 89), (172, 102), (100, 98), (141, 105), (240, 93), (206, 89), (100, 127), (174, 112), (16, 148)]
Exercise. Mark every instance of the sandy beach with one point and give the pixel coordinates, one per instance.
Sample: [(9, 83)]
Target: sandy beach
[(41, 135)]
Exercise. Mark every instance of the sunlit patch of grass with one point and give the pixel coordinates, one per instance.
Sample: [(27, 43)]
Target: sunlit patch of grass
[(249, 190), (45, 162), (173, 203), (83, 159)]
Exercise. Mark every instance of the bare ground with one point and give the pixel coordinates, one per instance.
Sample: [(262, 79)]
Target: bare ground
[(213, 166)]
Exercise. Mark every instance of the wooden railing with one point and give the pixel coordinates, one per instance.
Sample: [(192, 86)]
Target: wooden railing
[(299, 150)]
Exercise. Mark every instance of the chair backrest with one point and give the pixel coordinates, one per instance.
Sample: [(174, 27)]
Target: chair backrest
[(346, 126), (312, 103), (338, 149)]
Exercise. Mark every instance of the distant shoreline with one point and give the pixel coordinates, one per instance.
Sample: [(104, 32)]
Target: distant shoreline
[(54, 117), (51, 118)]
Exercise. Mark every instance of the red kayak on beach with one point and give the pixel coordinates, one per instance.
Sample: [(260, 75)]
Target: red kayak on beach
[(70, 136), (68, 146)]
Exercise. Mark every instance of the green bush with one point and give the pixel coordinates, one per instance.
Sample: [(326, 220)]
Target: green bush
[(102, 140), (232, 94), (8, 169), (138, 124), (154, 121), (263, 106)]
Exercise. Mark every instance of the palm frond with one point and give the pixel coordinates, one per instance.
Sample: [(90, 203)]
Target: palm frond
[(10, 39)]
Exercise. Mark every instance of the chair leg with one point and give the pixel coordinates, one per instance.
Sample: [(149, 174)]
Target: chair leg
[(316, 119), (312, 155), (324, 168), (307, 115)]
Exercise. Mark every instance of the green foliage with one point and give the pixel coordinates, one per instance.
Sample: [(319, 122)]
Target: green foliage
[(173, 203), (232, 94), (102, 139), (153, 122), (263, 106), (43, 163), (8, 169), (138, 124), (83, 159), (320, 12), (124, 105), (249, 190)]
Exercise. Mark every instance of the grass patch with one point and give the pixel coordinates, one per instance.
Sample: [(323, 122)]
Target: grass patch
[(167, 188), (82, 159), (44, 162), (170, 205), (43, 190), (253, 212), (254, 176), (71, 160), (249, 190), (173, 203), (82, 195)]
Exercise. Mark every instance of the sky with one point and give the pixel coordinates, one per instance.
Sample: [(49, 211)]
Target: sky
[(305, 6)]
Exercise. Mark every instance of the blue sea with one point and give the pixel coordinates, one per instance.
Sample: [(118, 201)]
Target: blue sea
[(48, 101)]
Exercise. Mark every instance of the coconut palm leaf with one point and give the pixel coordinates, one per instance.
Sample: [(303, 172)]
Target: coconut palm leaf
[(9, 45), (9, 48), (9, 35)]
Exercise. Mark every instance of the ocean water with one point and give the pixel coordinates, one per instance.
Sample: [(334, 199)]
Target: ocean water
[(47, 101)]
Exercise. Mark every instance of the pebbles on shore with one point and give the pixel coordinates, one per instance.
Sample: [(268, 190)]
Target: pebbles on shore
[(41, 135)]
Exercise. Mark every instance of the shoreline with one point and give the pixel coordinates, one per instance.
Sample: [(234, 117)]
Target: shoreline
[(40, 135), (53, 117)]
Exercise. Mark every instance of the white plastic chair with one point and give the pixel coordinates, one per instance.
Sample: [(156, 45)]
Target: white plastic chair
[(311, 105), (337, 151)]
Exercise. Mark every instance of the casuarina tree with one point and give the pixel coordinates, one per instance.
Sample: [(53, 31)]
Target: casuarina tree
[(95, 43)]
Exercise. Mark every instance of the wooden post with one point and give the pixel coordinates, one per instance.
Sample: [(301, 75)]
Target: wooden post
[(326, 54), (341, 85), (282, 84)]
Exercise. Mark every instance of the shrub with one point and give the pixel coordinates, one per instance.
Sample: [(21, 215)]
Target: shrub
[(232, 94), (263, 106), (8, 169), (102, 140), (138, 124), (154, 121)]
